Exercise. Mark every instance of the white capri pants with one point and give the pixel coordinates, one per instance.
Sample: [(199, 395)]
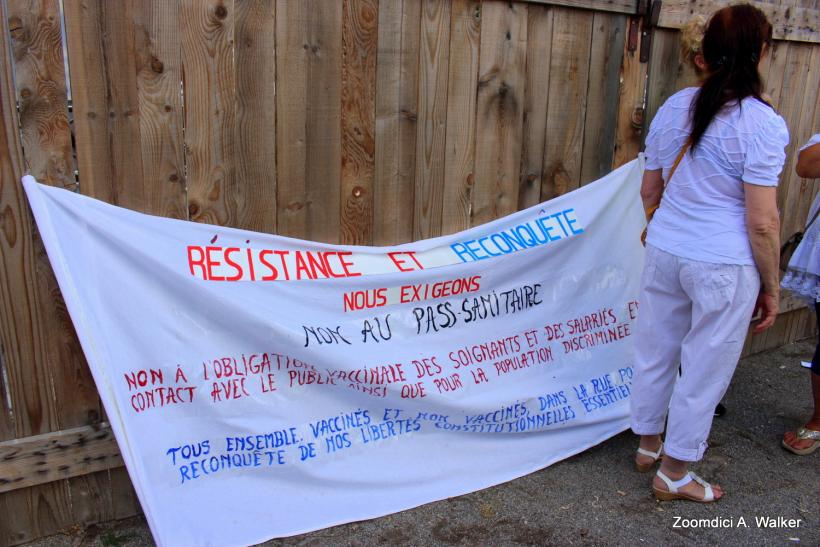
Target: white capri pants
[(696, 315)]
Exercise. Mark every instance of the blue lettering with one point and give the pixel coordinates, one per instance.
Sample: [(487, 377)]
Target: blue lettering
[(547, 229), (481, 242), (473, 247), (463, 250), (495, 238), (571, 221)]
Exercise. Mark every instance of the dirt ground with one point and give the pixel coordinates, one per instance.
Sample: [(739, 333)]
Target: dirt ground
[(595, 498)]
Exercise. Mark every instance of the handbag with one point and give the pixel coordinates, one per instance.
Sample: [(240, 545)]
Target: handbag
[(651, 211), (791, 244)]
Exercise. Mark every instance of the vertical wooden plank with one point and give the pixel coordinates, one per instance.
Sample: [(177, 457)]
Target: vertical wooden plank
[(500, 110), (775, 67), (124, 502), (159, 73), (432, 117), (572, 31), (32, 334), (459, 160), (69, 388), (664, 64), (106, 103), (800, 120), (308, 106), (210, 110), (17, 227), (255, 150), (792, 93), (536, 98), (358, 119), (608, 35), (39, 76), (396, 99), (629, 125), (15, 262)]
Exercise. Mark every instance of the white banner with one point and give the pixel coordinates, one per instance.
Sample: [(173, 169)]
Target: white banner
[(261, 386)]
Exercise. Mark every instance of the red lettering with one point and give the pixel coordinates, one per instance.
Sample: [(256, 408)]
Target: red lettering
[(281, 255), (211, 263), (317, 265), (233, 264), (131, 381), (413, 256), (326, 259), (301, 267), (346, 264), (274, 274), (198, 261), (398, 261), (250, 265)]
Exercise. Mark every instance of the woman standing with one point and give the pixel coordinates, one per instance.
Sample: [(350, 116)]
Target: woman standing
[(712, 247), (803, 280)]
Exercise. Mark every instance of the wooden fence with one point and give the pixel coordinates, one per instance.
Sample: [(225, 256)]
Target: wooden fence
[(355, 121)]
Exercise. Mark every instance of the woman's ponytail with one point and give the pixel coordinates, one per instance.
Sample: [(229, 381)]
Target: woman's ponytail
[(732, 45)]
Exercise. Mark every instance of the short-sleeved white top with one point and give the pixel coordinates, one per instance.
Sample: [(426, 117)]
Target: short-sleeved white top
[(702, 215)]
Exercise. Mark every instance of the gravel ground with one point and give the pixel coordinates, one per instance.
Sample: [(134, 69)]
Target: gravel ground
[(595, 498)]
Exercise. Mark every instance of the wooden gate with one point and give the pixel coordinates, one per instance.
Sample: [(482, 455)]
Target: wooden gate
[(352, 121)]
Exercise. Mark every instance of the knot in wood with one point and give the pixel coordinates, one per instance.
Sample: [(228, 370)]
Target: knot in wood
[(221, 12), (16, 28), (358, 191), (156, 65)]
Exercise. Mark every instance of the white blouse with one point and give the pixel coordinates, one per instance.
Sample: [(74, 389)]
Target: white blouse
[(803, 274), (702, 215)]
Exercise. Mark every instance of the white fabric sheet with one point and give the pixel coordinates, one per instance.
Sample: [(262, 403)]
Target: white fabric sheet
[(261, 386)]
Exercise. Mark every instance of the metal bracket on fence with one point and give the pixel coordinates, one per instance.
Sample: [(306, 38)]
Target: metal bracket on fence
[(651, 15)]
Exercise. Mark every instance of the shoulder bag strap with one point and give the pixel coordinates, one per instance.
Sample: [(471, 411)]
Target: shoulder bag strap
[(651, 211), (817, 212), (678, 159)]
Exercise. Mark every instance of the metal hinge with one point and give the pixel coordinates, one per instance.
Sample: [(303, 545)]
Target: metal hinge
[(651, 15)]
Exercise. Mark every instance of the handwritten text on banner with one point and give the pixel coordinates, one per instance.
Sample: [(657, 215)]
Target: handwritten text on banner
[(262, 386)]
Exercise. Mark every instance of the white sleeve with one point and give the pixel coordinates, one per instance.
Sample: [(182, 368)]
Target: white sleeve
[(652, 151), (766, 154), (815, 139)]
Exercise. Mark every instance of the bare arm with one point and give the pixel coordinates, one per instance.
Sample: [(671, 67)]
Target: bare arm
[(763, 224), (651, 188), (808, 162)]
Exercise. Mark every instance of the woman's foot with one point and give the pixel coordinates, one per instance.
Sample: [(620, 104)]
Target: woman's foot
[(798, 443), (652, 446), (694, 490), (675, 470)]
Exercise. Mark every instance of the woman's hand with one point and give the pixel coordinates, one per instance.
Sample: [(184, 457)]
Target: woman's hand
[(768, 306)]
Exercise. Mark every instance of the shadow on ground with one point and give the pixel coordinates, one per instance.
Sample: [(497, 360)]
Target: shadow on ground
[(595, 498)]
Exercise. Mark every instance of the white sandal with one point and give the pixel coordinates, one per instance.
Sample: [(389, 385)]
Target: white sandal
[(644, 467), (673, 486)]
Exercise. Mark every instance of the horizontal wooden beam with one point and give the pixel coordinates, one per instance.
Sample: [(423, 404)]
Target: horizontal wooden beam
[(614, 6), (789, 22), (58, 455)]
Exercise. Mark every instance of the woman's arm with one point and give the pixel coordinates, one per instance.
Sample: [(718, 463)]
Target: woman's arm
[(651, 188), (763, 224), (808, 162)]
